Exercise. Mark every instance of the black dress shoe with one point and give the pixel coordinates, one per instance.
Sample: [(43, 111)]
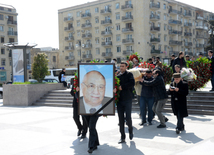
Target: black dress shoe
[(166, 119), (150, 123), (161, 126), (121, 141), (92, 149), (143, 122), (79, 132), (83, 136), (178, 131), (131, 136)]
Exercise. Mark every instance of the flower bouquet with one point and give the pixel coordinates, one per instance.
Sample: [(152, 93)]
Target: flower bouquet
[(188, 74)]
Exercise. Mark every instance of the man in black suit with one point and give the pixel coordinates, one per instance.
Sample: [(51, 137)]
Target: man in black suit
[(210, 54)]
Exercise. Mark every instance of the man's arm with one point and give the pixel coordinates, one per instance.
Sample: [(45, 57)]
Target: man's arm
[(154, 82), (130, 83), (184, 90)]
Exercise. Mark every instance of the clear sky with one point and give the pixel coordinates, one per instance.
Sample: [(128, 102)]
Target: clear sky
[(38, 20)]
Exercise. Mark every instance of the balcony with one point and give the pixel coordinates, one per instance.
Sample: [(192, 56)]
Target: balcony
[(87, 46), (106, 33), (155, 40), (87, 35), (86, 25), (106, 22), (188, 24), (87, 56), (154, 17), (154, 6), (174, 52), (201, 27), (128, 41), (200, 36), (107, 43), (128, 52), (107, 54), (155, 29), (199, 45), (12, 22), (199, 18), (12, 33), (174, 42), (127, 7), (189, 53), (175, 32), (105, 11), (69, 29), (187, 43), (187, 14), (86, 15), (69, 48), (187, 34), (154, 51), (174, 12), (127, 30), (68, 19), (127, 18), (71, 38), (171, 21), (69, 58)]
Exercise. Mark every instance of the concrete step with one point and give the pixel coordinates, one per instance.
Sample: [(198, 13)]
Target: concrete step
[(57, 98), (58, 94), (52, 104), (200, 98), (60, 91), (55, 101)]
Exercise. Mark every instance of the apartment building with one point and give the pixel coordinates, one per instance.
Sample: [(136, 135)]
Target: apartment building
[(8, 33), (107, 29)]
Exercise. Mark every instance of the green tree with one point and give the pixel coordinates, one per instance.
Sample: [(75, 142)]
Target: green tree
[(209, 46), (40, 67)]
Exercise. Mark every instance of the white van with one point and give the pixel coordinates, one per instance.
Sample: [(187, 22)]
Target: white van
[(69, 73)]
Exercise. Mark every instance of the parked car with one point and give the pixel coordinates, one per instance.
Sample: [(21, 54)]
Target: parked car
[(51, 80)]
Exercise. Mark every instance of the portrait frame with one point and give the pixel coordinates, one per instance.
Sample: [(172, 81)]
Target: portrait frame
[(96, 84)]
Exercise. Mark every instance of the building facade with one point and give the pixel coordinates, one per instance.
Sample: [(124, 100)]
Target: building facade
[(107, 29), (8, 33)]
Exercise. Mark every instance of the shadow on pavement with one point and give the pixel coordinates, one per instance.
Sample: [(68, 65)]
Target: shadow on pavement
[(198, 119)]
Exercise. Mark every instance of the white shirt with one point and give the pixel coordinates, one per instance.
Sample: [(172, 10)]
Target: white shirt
[(88, 107)]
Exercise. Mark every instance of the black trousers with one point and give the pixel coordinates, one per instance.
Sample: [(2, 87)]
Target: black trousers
[(122, 108), (76, 118), (180, 121), (93, 136), (64, 83)]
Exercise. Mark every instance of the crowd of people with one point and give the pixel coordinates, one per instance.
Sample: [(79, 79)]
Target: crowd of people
[(151, 95)]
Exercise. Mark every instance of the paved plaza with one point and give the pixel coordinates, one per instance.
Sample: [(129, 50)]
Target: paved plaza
[(52, 131)]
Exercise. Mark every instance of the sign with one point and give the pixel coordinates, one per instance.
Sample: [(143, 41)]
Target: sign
[(3, 76), (18, 65), (2, 68)]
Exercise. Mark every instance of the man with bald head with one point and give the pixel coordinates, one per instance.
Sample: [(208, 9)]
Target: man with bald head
[(93, 89)]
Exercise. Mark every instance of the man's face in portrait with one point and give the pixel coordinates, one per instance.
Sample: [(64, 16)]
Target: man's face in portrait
[(93, 88)]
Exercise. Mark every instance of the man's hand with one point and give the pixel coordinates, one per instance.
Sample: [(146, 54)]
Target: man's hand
[(171, 89), (176, 89), (142, 80), (77, 89), (114, 90), (120, 88)]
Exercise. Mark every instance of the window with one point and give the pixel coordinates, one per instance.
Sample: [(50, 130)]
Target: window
[(97, 51), (78, 23), (1, 17), (11, 40), (159, 47), (2, 51), (117, 16), (165, 48), (1, 28), (118, 37), (164, 6), (2, 39), (78, 33), (70, 15), (54, 58), (117, 5), (96, 10), (193, 32), (97, 40), (87, 11), (164, 17), (78, 13), (165, 38), (97, 20), (118, 60), (108, 50), (118, 27), (118, 49), (79, 53), (165, 27), (3, 62), (159, 36), (97, 30)]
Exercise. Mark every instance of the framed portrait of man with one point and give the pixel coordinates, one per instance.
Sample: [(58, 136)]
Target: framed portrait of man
[(96, 84)]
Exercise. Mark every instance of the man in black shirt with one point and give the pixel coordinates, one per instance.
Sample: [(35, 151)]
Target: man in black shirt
[(179, 61), (124, 105), (210, 54)]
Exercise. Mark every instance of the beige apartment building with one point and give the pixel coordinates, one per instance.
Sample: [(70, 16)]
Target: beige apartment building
[(8, 34), (107, 29)]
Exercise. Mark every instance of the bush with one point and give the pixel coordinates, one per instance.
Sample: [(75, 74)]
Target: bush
[(40, 67)]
